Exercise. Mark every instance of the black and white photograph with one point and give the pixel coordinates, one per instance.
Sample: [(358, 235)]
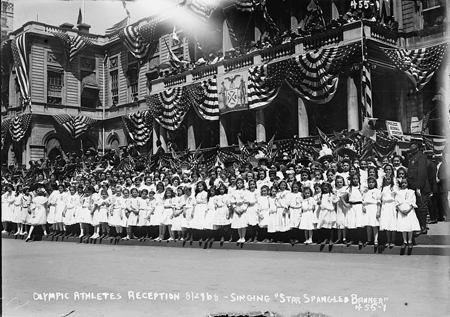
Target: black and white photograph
[(225, 158)]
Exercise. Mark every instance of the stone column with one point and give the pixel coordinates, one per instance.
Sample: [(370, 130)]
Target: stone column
[(303, 123), (260, 126), (190, 131), (352, 105), (223, 133)]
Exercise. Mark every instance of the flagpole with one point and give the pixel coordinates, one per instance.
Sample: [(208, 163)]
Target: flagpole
[(84, 11), (104, 102)]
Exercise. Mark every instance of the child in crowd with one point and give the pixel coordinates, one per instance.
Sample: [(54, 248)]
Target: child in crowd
[(372, 209), (308, 222), (407, 222)]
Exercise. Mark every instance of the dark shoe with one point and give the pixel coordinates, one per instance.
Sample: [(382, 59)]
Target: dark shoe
[(349, 243), (27, 239), (386, 245), (424, 231), (403, 246), (391, 245)]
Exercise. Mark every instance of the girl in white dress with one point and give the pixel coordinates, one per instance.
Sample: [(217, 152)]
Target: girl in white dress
[(151, 209), (178, 204), (80, 192), (142, 221), (222, 218), (263, 205), (239, 204), (341, 209), (188, 210), (73, 200), (407, 221), (210, 215), (132, 213), (17, 209), (60, 206), (295, 211), (355, 216), (52, 209), (100, 216), (87, 206), (25, 209), (308, 221), (252, 211), (159, 208), (282, 209), (272, 223), (198, 214), (7, 206), (388, 216), (327, 213), (167, 214), (372, 208), (38, 212), (116, 213)]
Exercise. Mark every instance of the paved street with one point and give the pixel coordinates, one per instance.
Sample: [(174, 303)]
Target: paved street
[(53, 279)]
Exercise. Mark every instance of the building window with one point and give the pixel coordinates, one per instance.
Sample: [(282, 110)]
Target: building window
[(133, 81), (54, 87), (115, 87)]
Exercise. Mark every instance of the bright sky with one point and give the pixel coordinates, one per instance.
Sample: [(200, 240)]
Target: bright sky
[(100, 14)]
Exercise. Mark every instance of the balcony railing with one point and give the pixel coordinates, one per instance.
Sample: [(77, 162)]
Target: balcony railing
[(326, 38), (384, 35), (239, 62), (204, 71), (277, 52), (175, 80)]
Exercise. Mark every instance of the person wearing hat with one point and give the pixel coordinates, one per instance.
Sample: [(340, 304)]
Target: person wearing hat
[(417, 175)]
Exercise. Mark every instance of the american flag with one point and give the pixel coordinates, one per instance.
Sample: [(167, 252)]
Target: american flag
[(315, 74), (148, 33), (419, 64), (19, 125), (174, 61), (305, 147), (139, 126), (244, 151), (233, 37), (5, 129), (201, 9), (253, 5), (325, 139), (74, 125), (116, 27), (21, 64), (72, 46), (260, 93), (366, 81), (285, 146), (135, 43)]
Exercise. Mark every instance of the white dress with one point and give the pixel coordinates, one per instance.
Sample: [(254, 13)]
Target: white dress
[(355, 216), (341, 209), (71, 205), (309, 217), (38, 211), (281, 202), (264, 208), (61, 201), (199, 212), (25, 208), (132, 209), (143, 212), (405, 199), (17, 209), (210, 214), (388, 217), (188, 210), (178, 203), (52, 206), (222, 210), (371, 201), (239, 201), (84, 214), (273, 225), (101, 212), (167, 213), (295, 209), (327, 212), (7, 206), (252, 209), (159, 208)]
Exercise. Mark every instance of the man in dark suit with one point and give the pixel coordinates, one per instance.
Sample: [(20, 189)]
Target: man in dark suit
[(443, 180), (417, 176), (432, 171)]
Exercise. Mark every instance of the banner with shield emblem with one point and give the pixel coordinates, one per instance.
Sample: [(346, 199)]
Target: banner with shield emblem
[(232, 92)]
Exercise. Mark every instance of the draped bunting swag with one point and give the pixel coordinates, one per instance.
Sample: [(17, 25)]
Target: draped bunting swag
[(19, 125), (5, 130), (74, 125), (139, 126)]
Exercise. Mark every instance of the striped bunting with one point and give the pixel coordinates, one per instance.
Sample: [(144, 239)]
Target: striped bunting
[(253, 5), (305, 147), (135, 43), (173, 59), (74, 125), (315, 75), (245, 5), (437, 145), (168, 107), (244, 151), (139, 126), (21, 64), (260, 94), (204, 98), (19, 125), (148, 33), (5, 130), (366, 86), (420, 64), (272, 25)]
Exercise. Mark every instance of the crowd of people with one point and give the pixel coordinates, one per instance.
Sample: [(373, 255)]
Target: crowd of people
[(327, 201)]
